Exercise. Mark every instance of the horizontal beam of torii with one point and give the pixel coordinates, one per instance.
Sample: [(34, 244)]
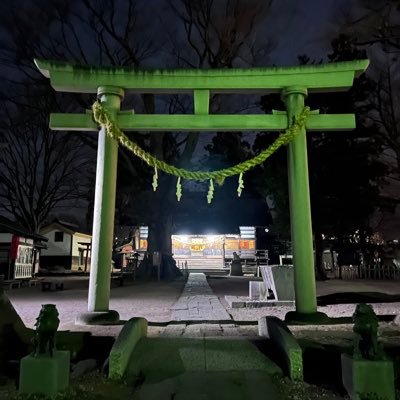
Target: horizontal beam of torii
[(185, 122), (293, 83)]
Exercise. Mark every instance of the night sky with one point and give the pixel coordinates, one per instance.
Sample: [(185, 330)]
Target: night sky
[(291, 27)]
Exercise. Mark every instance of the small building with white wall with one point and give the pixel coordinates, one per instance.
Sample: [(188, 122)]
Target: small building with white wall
[(19, 251), (67, 247)]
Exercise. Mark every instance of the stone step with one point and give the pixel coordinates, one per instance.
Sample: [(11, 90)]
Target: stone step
[(168, 356), (201, 263), (250, 385), (197, 265)]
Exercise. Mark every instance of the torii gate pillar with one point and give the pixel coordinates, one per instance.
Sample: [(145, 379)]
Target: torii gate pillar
[(300, 213), (103, 218)]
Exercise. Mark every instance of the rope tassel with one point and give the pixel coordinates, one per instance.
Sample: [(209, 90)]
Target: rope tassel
[(178, 189), (210, 193), (155, 179), (241, 185)]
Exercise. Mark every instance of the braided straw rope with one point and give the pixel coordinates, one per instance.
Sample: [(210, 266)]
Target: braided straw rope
[(103, 118)]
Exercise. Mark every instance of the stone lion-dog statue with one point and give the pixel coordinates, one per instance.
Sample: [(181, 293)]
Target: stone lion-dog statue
[(366, 345), (46, 327)]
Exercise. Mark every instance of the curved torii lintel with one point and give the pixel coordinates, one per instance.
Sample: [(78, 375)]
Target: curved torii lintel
[(68, 77)]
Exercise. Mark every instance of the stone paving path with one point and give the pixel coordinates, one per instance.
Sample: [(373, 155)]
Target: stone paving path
[(198, 302)]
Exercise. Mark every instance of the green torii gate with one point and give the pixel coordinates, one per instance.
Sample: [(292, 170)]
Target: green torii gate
[(110, 84)]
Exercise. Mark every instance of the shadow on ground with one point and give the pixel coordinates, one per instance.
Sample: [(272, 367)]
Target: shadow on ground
[(357, 297)]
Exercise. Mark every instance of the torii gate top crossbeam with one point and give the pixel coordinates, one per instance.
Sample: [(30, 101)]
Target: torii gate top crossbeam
[(70, 78)]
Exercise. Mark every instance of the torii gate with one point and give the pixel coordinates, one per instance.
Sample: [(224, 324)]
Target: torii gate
[(110, 84)]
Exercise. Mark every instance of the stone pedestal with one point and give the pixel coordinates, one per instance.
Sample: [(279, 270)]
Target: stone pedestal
[(44, 374), (236, 268), (368, 379)]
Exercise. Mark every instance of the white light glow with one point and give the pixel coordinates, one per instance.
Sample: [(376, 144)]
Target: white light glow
[(184, 239)]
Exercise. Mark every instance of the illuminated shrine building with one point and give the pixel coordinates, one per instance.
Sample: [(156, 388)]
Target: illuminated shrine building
[(215, 248)]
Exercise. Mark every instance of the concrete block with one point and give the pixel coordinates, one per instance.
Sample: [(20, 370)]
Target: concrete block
[(281, 337), (280, 279), (368, 379), (257, 290), (44, 374), (131, 333), (236, 301)]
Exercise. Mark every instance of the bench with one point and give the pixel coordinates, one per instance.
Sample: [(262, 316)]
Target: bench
[(47, 285), (118, 277), (125, 272), (34, 281), (12, 283)]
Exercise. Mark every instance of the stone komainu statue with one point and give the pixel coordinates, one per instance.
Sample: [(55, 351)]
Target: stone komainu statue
[(46, 327), (365, 330)]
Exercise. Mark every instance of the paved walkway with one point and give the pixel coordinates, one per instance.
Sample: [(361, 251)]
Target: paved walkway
[(198, 302)]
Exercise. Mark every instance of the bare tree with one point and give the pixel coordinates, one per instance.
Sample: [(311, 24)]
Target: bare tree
[(374, 24), (210, 34), (220, 34), (84, 32), (39, 170)]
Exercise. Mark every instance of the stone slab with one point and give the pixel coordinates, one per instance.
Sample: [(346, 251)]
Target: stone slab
[(215, 385), (198, 303), (44, 374), (368, 379), (167, 357), (246, 302), (236, 355)]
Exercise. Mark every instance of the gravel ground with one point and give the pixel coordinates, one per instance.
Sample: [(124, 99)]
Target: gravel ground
[(154, 301), (239, 286), (151, 300), (389, 333)]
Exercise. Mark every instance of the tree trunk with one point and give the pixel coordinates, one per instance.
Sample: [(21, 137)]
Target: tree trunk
[(320, 273), (160, 231)]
